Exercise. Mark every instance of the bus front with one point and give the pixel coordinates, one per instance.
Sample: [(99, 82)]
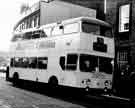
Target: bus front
[(96, 59)]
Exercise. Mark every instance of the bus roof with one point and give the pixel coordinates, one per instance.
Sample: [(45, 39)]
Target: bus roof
[(88, 19), (71, 20)]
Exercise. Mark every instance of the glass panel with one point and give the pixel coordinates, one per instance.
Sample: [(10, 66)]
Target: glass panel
[(90, 28), (16, 37), (105, 65), (124, 17), (88, 63), (106, 31), (17, 62), (62, 62), (36, 34), (27, 35), (71, 61), (42, 62), (71, 28), (12, 62), (33, 62), (25, 62), (96, 29)]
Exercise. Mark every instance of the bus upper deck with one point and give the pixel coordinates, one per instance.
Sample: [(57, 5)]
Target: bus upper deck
[(75, 25), (78, 33)]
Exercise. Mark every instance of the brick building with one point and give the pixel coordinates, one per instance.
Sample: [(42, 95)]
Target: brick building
[(44, 12), (113, 11)]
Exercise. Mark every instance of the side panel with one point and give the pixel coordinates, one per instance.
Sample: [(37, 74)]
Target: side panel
[(87, 41), (26, 74)]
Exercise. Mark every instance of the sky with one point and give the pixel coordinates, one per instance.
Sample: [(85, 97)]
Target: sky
[(9, 16)]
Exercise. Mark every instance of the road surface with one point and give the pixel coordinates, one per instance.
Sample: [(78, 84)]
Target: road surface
[(13, 97)]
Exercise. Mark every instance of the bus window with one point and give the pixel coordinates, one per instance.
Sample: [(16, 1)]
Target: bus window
[(25, 62), (105, 65), (27, 35), (106, 31), (71, 62), (16, 37), (17, 62), (42, 62), (36, 34), (12, 62), (88, 63), (62, 62), (90, 28), (32, 62), (71, 28)]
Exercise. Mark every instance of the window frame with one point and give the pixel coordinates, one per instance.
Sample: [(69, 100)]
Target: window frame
[(73, 31), (71, 66), (44, 66)]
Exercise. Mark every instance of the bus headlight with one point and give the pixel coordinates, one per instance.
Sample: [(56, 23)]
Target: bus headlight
[(107, 83), (86, 81)]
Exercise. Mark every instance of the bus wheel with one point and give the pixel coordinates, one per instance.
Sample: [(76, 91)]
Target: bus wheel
[(15, 79), (53, 84)]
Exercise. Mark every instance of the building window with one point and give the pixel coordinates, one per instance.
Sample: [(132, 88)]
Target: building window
[(122, 58), (124, 14)]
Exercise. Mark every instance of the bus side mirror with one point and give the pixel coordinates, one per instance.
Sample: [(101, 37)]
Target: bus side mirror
[(62, 62)]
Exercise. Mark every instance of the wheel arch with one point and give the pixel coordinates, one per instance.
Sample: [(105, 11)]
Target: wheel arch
[(53, 78)]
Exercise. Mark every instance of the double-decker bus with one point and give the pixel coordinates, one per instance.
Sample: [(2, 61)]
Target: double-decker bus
[(77, 52)]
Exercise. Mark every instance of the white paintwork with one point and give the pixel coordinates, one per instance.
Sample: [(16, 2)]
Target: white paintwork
[(55, 46)]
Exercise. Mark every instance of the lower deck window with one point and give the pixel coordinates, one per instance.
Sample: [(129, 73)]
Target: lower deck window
[(91, 63), (42, 62), (31, 62), (88, 63), (71, 62)]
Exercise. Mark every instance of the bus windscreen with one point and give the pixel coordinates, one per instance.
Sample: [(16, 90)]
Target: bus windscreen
[(96, 29)]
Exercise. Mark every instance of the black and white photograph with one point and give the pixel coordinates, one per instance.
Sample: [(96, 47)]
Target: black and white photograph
[(67, 54)]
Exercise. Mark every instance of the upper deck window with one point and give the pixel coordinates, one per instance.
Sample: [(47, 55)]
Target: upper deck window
[(71, 28), (90, 28), (38, 34), (16, 37), (27, 35), (96, 29)]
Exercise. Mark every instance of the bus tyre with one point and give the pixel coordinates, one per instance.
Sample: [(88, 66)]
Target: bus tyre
[(53, 84), (15, 79)]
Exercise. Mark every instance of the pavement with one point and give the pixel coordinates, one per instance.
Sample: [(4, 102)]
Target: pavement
[(2, 74)]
